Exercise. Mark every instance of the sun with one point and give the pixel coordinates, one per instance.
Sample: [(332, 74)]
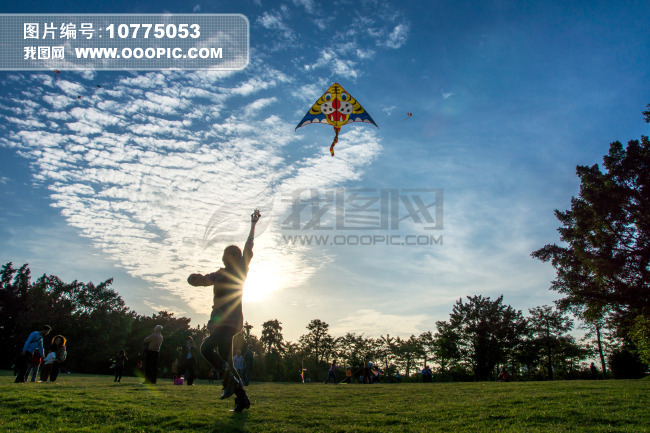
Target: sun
[(263, 279)]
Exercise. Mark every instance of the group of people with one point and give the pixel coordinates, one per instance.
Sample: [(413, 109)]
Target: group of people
[(371, 373), (427, 374), (37, 355)]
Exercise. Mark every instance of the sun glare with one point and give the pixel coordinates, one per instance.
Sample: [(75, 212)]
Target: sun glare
[(263, 279)]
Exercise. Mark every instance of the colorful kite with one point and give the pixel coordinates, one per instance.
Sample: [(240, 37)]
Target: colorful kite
[(337, 108)]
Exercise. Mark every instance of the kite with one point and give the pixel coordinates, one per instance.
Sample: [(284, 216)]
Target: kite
[(56, 71), (337, 108), (407, 116)]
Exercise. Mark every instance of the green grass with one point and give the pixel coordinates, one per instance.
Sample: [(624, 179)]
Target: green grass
[(95, 403)]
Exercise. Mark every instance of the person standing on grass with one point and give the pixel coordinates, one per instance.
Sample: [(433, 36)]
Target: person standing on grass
[(33, 366), (151, 353), (119, 365), (52, 364), (367, 368), (331, 374), (227, 318), (188, 365), (34, 343), (238, 363), (348, 375), (248, 365)]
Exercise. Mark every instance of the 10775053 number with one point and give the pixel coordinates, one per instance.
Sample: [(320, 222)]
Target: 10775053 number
[(160, 31)]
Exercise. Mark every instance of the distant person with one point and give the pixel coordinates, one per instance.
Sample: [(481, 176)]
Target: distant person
[(227, 318), (151, 354), (211, 376), (175, 365), (376, 373), (189, 362), (238, 363), (34, 343), (503, 376), (331, 374), (427, 374), (33, 366), (398, 377), (348, 375), (56, 356), (249, 357), (594, 371), (367, 369), (120, 363)]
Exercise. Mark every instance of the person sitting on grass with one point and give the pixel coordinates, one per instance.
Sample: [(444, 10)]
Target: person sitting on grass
[(227, 319)]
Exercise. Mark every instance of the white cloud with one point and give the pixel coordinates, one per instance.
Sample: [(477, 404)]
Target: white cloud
[(398, 36), (274, 21), (374, 323), (309, 5)]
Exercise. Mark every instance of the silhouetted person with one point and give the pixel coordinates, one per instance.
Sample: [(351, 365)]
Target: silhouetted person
[(151, 353), (248, 365), (188, 361), (227, 318), (119, 365), (331, 374), (594, 371)]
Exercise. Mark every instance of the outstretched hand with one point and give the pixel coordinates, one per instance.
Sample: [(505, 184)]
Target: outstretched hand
[(255, 216)]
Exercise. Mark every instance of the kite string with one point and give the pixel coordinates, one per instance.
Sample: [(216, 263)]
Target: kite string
[(337, 129)]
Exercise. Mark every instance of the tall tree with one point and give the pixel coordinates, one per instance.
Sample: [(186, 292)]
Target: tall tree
[(407, 352), (352, 349), (484, 333), (272, 338), (606, 261), (446, 348), (318, 342), (549, 328)]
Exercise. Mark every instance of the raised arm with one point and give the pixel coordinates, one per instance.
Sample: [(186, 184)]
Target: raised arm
[(248, 248)]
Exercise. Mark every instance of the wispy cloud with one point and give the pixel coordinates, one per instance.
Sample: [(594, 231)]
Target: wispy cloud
[(162, 194), (398, 36)]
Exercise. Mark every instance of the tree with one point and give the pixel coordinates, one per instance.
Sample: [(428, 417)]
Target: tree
[(407, 351), (272, 336), (352, 349), (385, 349), (640, 335), (483, 333), (446, 349), (317, 342), (595, 324), (605, 264), (549, 328)]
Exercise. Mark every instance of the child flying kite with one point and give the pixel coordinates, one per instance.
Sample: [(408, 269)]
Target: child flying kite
[(227, 318)]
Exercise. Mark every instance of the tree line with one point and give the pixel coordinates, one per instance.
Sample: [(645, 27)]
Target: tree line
[(480, 336)]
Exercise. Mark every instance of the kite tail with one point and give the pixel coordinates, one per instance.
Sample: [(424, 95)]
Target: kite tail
[(336, 139)]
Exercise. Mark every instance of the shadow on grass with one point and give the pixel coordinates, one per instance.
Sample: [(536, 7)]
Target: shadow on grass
[(234, 422)]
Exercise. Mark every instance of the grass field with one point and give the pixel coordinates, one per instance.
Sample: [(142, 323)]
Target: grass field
[(96, 403)]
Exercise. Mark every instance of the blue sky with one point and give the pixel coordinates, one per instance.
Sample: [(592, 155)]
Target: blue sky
[(507, 98)]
